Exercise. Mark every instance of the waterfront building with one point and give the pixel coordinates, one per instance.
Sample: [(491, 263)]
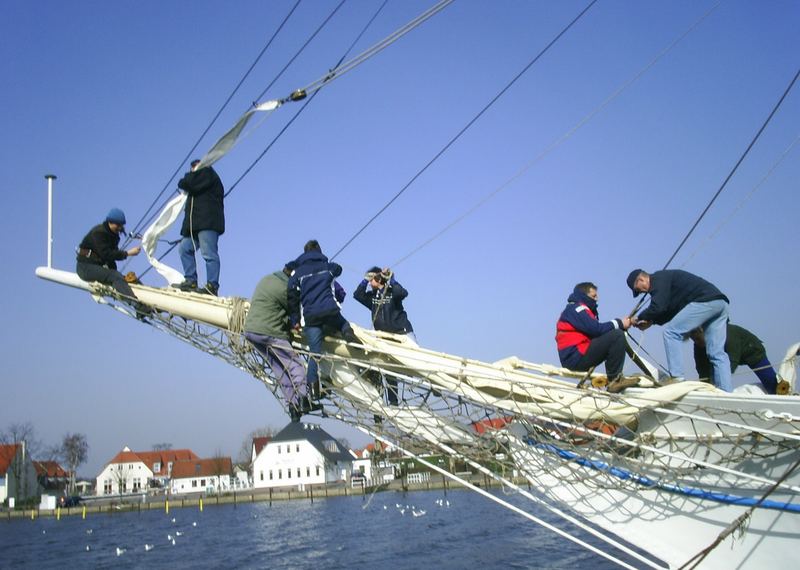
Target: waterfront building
[(136, 471), (51, 476), (301, 454), (17, 474), (202, 475)]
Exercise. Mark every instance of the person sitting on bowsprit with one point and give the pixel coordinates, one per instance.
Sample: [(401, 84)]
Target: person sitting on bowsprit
[(584, 342), (99, 252)]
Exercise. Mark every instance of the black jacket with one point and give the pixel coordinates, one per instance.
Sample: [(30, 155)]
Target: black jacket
[(204, 208), (103, 247), (672, 289), (742, 347), (386, 305)]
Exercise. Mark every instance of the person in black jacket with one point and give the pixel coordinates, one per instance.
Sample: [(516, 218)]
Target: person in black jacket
[(313, 297), (203, 223), (383, 296), (682, 302), (99, 252), (742, 347)]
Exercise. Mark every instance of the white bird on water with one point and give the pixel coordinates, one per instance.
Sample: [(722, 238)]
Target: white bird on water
[(179, 533), (169, 537), (418, 513), (89, 531), (194, 523), (120, 550), (173, 519), (87, 548), (148, 547)]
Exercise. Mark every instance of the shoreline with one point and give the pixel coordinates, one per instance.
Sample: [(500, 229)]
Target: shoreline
[(111, 507)]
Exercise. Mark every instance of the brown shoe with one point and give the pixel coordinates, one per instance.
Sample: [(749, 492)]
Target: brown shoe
[(620, 383)]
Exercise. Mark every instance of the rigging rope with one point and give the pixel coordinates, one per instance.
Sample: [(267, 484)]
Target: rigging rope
[(463, 130), (137, 228), (556, 143), (735, 167)]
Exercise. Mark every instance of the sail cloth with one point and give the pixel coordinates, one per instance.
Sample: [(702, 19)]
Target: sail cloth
[(175, 206)]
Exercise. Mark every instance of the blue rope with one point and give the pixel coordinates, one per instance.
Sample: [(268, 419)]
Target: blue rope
[(626, 475)]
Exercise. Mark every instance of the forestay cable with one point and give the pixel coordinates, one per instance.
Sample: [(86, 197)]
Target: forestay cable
[(463, 130)]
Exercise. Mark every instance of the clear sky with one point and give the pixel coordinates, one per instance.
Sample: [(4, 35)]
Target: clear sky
[(109, 96)]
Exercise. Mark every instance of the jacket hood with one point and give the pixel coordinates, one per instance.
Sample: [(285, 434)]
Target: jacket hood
[(311, 256), (579, 296)]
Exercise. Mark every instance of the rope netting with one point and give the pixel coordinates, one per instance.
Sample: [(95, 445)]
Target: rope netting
[(525, 419)]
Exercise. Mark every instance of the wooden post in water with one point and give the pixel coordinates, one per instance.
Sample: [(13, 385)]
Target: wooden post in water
[(270, 496), (311, 492)]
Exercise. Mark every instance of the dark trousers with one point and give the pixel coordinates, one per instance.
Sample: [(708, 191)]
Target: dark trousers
[(316, 332), (92, 272), (608, 348)]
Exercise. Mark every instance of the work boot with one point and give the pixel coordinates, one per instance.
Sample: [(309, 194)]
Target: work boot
[(187, 286), (209, 289), (619, 383)]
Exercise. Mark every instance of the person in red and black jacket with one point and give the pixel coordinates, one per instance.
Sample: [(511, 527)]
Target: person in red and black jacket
[(584, 342)]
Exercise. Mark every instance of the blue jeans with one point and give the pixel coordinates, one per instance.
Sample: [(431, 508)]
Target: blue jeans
[(713, 317), (315, 334), (206, 241)]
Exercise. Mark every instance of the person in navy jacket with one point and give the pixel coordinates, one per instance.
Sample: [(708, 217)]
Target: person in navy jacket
[(681, 302), (314, 299), (584, 342)]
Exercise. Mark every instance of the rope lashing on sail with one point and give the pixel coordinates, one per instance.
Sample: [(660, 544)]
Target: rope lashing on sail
[(466, 127)]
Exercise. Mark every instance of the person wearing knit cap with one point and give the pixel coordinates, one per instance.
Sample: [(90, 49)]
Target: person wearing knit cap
[(99, 252), (681, 302)]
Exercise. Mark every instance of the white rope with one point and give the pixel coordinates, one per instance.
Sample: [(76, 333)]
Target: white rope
[(500, 501)]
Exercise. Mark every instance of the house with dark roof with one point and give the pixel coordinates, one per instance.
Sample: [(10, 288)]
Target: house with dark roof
[(17, 474), (201, 475), (301, 454), (136, 471)]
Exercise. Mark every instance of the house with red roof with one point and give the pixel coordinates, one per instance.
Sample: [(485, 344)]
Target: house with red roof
[(17, 474), (202, 475), (51, 476), (136, 471)]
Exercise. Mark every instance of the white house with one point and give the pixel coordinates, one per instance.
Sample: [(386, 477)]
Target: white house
[(301, 454), (201, 475), (135, 471), (17, 473)]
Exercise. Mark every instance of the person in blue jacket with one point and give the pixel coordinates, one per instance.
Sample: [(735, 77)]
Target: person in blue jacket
[(681, 302), (584, 342), (314, 300)]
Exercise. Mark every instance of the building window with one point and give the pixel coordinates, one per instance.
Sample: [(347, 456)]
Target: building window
[(202, 482), (107, 487), (124, 487), (288, 448), (137, 484), (156, 467), (297, 447), (270, 474), (262, 475), (317, 470), (279, 450), (308, 471), (194, 482), (280, 474), (169, 468), (298, 472), (289, 473)]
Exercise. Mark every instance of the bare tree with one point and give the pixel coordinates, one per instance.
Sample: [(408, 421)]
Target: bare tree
[(164, 446), (246, 451), (21, 433), (75, 451)]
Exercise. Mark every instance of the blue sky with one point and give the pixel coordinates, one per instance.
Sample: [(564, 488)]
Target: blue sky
[(110, 97)]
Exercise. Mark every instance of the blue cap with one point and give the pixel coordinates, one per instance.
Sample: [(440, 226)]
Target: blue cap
[(116, 216)]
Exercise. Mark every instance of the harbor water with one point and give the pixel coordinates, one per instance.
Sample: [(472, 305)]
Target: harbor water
[(420, 529)]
